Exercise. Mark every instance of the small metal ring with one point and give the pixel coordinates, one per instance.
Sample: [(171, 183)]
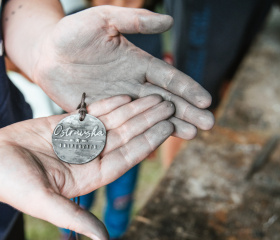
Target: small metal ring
[(82, 107)]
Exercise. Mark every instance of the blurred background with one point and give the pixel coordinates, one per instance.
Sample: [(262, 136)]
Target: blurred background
[(224, 184)]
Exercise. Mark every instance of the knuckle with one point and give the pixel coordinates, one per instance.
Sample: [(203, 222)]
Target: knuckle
[(132, 108), (122, 139), (107, 121), (123, 134), (125, 128), (138, 24), (170, 77), (187, 112), (142, 20), (103, 11), (168, 96)]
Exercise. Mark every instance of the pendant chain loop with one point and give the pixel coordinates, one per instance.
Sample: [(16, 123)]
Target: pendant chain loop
[(82, 107)]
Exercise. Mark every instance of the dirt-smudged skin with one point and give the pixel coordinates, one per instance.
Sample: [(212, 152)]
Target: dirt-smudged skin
[(31, 166), (86, 52)]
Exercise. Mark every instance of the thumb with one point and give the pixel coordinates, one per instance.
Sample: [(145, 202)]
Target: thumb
[(133, 20), (64, 213)]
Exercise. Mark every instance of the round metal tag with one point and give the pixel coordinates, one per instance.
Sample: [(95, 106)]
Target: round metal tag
[(78, 142)]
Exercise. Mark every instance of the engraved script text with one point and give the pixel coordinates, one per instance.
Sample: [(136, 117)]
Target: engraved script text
[(95, 132)]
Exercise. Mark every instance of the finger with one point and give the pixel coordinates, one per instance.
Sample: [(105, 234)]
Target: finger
[(107, 105), (200, 118), (177, 83), (26, 187), (122, 114), (138, 125), (119, 161), (183, 129), (185, 111), (96, 109), (64, 213), (131, 20)]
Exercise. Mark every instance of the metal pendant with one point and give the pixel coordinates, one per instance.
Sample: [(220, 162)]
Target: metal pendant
[(77, 142)]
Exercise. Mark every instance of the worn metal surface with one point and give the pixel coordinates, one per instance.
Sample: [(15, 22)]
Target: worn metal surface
[(78, 142)]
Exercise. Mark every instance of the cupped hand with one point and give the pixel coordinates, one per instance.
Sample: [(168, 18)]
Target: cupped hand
[(36, 182), (86, 52)]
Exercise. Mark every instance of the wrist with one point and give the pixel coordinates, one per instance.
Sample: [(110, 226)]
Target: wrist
[(39, 55)]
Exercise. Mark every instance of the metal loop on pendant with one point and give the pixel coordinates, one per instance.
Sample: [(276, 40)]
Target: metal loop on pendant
[(82, 108)]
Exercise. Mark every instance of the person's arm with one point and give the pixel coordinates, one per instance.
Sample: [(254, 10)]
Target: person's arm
[(86, 52), (26, 23), (36, 182)]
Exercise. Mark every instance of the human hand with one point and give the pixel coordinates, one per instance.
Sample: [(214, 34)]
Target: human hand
[(34, 181), (86, 52)]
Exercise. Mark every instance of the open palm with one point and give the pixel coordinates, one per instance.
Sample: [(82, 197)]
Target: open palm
[(87, 52), (34, 181)]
